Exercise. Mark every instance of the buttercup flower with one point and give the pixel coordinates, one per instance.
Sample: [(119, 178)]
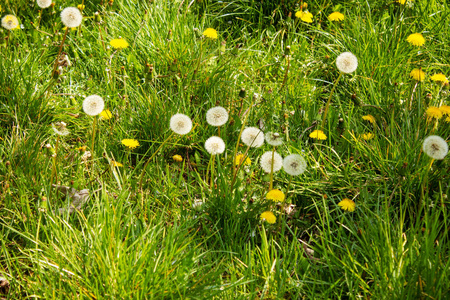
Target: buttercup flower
[(439, 77), (44, 3), (105, 115), (417, 74), (215, 145), (269, 217), (304, 16), (416, 39), (275, 195), (445, 109), (367, 136), (130, 143), (346, 62), (60, 128), (239, 159), (93, 105), (434, 112), (217, 116), (180, 124), (318, 135), (435, 147), (336, 16), (71, 17), (119, 43), (253, 137), (273, 138), (369, 118), (177, 158), (294, 164), (347, 204), (266, 162), (211, 33), (10, 22)]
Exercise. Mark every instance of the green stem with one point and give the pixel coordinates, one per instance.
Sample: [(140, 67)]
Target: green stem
[(212, 171), (271, 170), (93, 137), (325, 112)]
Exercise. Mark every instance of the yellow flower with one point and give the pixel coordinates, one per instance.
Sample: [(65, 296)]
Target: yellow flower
[(367, 136), (369, 118), (404, 1), (433, 112), (347, 204), (72, 28), (211, 33), (119, 43), (439, 77), (336, 16), (416, 39), (445, 109), (239, 160), (116, 164), (269, 217), (130, 143), (81, 6), (447, 119), (417, 74), (304, 16), (275, 195), (177, 158), (105, 115), (318, 134), (82, 148)]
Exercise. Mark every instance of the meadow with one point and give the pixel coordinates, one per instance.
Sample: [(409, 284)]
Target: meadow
[(235, 149)]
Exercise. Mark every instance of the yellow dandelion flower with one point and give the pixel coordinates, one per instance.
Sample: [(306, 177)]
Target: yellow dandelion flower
[(347, 204), (269, 217), (239, 159), (81, 6), (417, 74), (439, 77), (105, 115), (318, 135), (367, 136), (210, 33), (434, 112), (119, 43), (336, 16), (82, 148), (177, 158), (416, 39), (447, 120), (445, 109), (116, 164), (275, 195), (369, 118), (305, 16), (401, 1), (130, 143)]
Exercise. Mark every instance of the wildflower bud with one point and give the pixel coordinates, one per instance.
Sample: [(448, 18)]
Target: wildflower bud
[(287, 50), (289, 18), (305, 5), (6, 185), (242, 93), (97, 17)]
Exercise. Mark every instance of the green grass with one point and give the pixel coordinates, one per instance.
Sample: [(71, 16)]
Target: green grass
[(152, 240)]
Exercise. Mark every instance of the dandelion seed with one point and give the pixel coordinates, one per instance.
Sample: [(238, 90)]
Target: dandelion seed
[(266, 161), (10, 22), (130, 143), (347, 204), (417, 74), (275, 195), (416, 39), (336, 16), (93, 105), (435, 147), (217, 116), (119, 43), (60, 128), (215, 145), (367, 136), (369, 118), (269, 217), (273, 138), (210, 33), (294, 164), (347, 62), (180, 124), (177, 158), (305, 16), (252, 137), (239, 159), (433, 112), (105, 115), (44, 3), (318, 135), (71, 17), (439, 77)]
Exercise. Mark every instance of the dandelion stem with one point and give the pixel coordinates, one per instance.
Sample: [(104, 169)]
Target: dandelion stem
[(55, 66), (93, 136), (325, 112), (271, 170), (212, 171)]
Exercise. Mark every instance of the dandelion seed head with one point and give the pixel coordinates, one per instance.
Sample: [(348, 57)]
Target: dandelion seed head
[(217, 116), (10, 22), (294, 164), (60, 128), (71, 17), (215, 145), (44, 3), (347, 62), (273, 138), (435, 147), (253, 137), (180, 124), (93, 105), (266, 161)]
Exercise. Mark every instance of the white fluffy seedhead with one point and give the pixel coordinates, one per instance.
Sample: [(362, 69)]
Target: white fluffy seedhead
[(253, 137), (266, 161), (435, 147), (294, 164), (71, 17), (217, 116), (347, 62), (93, 105), (215, 145), (180, 124)]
